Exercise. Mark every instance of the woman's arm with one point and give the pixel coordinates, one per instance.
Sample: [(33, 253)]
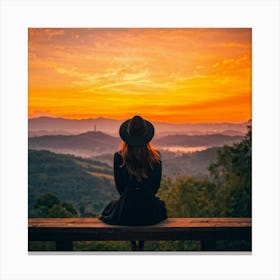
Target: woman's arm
[(117, 173), (156, 177)]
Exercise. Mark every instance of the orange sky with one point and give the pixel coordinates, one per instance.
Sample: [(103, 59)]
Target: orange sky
[(172, 75)]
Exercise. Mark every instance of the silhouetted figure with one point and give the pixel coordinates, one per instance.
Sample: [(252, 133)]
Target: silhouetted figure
[(137, 173)]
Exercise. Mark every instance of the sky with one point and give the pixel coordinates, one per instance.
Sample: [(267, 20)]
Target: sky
[(183, 75)]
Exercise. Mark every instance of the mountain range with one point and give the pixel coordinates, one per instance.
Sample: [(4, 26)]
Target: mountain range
[(84, 144), (50, 125), (93, 143)]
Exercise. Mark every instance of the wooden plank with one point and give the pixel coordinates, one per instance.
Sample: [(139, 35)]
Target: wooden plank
[(69, 229), (171, 222), (49, 235)]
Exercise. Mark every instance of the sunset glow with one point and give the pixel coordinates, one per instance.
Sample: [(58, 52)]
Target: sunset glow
[(172, 75)]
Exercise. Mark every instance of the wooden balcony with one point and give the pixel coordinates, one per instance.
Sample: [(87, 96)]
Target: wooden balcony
[(207, 230)]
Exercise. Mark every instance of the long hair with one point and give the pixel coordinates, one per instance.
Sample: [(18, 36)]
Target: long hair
[(137, 160)]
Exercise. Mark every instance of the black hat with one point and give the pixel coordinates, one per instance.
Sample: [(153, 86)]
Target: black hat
[(136, 131)]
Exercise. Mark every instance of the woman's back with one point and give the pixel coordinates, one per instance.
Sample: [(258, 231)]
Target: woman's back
[(124, 180), (137, 173)]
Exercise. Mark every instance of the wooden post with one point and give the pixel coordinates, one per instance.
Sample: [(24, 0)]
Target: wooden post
[(133, 245), (207, 245), (141, 245), (64, 245)]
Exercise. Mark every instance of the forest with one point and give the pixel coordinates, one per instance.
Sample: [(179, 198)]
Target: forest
[(68, 186)]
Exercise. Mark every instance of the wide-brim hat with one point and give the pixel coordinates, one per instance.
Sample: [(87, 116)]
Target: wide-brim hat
[(136, 131)]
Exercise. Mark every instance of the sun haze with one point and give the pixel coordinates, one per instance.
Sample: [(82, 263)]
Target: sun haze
[(173, 75)]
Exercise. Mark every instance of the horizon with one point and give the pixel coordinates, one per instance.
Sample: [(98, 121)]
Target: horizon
[(186, 75), (165, 122)]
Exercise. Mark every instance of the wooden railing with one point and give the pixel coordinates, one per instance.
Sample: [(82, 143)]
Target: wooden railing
[(207, 230)]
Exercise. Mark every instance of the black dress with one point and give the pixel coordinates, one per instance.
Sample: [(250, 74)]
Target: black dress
[(138, 203)]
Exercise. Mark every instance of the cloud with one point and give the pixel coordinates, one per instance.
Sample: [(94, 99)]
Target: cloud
[(54, 32), (162, 66)]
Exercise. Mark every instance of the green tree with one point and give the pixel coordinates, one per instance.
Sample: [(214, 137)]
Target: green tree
[(46, 200), (232, 172), (49, 206), (189, 197)]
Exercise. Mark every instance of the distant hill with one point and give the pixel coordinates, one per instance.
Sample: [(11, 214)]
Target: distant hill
[(232, 133), (86, 183), (34, 133), (197, 140), (191, 164), (53, 125), (84, 144), (72, 126), (97, 143)]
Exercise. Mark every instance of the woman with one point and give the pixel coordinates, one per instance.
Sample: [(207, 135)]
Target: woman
[(137, 172)]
